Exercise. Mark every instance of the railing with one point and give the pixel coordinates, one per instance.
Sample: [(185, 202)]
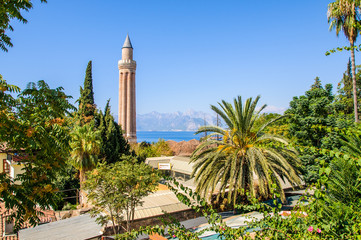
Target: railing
[(71, 197)]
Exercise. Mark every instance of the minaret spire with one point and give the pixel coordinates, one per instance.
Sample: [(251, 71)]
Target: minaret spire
[(127, 42)]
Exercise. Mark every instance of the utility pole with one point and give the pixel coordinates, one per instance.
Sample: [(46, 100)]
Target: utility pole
[(218, 123), (205, 124)]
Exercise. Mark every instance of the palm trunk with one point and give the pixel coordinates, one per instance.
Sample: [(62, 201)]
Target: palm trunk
[(82, 178), (354, 82)]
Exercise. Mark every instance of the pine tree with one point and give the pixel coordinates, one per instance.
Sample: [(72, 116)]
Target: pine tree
[(344, 101), (87, 107), (345, 85), (114, 144), (317, 83)]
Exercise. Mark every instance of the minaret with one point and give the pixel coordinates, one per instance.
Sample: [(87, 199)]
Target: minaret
[(127, 114)]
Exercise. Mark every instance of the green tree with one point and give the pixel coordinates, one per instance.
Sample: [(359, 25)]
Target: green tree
[(312, 123), (113, 144), (313, 108), (11, 9), (242, 153), (145, 150), (85, 149), (34, 125), (161, 148), (344, 97), (66, 179), (115, 190), (344, 15), (87, 108)]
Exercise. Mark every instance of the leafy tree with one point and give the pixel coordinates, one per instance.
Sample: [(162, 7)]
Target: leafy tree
[(145, 150), (85, 148), (309, 110), (344, 15), (115, 190), (242, 153), (279, 127), (113, 144), (312, 123), (162, 148), (10, 9), (34, 125), (87, 107)]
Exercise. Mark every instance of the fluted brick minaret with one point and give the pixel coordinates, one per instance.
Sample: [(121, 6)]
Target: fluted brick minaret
[(127, 110)]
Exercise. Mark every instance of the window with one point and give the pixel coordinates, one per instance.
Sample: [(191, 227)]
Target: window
[(6, 167), (9, 227)]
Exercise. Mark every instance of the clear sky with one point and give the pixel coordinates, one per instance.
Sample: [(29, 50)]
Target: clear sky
[(189, 53)]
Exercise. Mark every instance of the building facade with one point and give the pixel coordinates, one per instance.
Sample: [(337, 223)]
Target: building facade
[(127, 104)]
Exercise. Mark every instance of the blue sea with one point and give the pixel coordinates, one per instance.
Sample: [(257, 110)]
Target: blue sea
[(154, 136)]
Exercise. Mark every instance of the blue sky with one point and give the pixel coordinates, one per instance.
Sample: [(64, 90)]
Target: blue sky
[(189, 54)]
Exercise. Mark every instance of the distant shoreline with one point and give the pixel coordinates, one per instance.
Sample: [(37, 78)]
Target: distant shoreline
[(178, 136), (165, 131)]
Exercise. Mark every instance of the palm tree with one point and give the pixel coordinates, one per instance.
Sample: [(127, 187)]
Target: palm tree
[(242, 153), (345, 15), (85, 148)]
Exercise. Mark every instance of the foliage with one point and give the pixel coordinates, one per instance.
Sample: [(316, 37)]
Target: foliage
[(314, 122), (113, 145), (313, 108), (175, 229), (334, 209), (145, 150), (69, 206), (242, 153), (117, 189), (279, 127), (85, 148), (162, 148), (87, 108), (344, 98), (11, 9), (344, 15), (325, 217), (66, 179), (34, 126)]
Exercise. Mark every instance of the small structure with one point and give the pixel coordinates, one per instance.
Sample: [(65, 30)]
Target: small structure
[(75, 228), (7, 222), (178, 167), (10, 161)]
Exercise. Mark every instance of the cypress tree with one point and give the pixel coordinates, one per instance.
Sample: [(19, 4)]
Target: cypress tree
[(87, 107), (114, 144)]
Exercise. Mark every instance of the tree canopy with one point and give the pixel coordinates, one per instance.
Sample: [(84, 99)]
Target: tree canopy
[(115, 190), (11, 9), (113, 145), (35, 126), (87, 108), (242, 153)]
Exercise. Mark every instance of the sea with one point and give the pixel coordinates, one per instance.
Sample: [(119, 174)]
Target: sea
[(154, 136)]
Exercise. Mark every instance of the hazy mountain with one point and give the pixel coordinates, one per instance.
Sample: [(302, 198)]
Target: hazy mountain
[(187, 121), (177, 121)]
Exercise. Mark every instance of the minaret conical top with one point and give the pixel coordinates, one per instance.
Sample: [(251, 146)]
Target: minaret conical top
[(127, 43)]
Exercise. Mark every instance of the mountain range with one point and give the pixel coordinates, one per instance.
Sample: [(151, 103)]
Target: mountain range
[(177, 121), (182, 121)]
